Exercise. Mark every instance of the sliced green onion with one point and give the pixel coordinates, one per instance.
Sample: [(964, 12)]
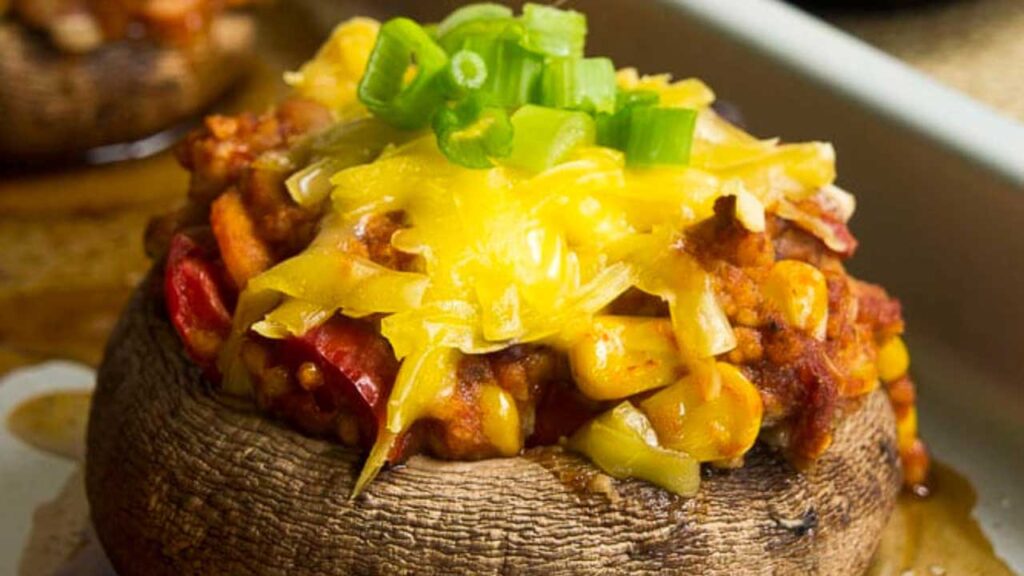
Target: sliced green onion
[(660, 136), (513, 73), (359, 141), (580, 84), (609, 130), (470, 134), (487, 29), (627, 98), (545, 136), (613, 129), (466, 71), (402, 43), (554, 32), (473, 13)]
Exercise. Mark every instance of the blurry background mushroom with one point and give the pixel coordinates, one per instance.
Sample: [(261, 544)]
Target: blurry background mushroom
[(79, 74)]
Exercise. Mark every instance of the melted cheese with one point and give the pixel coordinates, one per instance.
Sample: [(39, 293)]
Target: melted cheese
[(506, 257)]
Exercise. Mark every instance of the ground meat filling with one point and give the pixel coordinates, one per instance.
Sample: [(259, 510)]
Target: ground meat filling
[(239, 165), (335, 380), (805, 383)]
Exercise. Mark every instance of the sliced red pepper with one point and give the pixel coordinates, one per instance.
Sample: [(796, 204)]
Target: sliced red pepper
[(357, 364), (195, 293)]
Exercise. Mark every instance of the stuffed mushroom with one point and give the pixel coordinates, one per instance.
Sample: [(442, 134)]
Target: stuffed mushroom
[(78, 74), (472, 302)]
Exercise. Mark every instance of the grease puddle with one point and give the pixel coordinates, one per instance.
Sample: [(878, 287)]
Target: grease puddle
[(54, 423), (937, 535)]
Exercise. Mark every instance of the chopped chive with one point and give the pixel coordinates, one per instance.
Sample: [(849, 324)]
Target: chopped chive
[(470, 134), (580, 84), (554, 32), (402, 43), (659, 136), (545, 136)]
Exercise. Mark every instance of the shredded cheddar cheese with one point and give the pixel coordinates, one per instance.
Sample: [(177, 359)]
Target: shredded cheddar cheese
[(505, 257)]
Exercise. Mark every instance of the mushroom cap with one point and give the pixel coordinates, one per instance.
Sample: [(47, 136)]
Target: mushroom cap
[(182, 480), (59, 104)]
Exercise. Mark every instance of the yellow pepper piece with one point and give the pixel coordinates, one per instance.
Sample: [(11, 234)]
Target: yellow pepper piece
[(501, 420), (425, 379), (710, 414), (799, 292), (621, 443), (619, 356), (893, 359), (292, 317)]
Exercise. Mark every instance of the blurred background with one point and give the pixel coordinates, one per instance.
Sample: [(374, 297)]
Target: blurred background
[(976, 46)]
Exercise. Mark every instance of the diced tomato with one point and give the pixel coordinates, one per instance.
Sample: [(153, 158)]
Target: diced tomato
[(357, 364), (195, 293)]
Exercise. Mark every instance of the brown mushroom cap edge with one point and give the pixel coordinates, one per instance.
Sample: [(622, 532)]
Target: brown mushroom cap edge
[(183, 481)]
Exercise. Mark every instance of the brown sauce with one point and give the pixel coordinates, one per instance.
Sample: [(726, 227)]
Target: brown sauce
[(72, 242)]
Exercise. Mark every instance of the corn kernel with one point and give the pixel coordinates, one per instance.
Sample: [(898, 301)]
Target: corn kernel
[(906, 429), (620, 356), (500, 420), (893, 359), (915, 464), (309, 376), (799, 292), (348, 430), (861, 378), (711, 415)]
